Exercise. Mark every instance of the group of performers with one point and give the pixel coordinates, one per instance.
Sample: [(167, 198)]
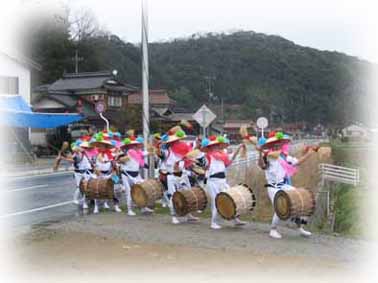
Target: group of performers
[(179, 165)]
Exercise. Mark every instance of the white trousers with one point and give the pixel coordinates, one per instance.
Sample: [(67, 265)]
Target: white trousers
[(214, 187), (174, 184), (128, 182), (271, 193), (77, 194)]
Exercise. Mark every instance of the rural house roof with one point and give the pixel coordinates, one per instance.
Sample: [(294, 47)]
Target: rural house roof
[(159, 96), (91, 80)]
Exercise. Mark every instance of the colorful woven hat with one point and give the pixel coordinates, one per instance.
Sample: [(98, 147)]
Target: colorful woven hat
[(174, 134), (131, 141), (274, 138), (102, 139), (116, 139), (213, 140), (85, 142)]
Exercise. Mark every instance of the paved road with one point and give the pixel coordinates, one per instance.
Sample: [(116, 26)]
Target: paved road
[(33, 200)]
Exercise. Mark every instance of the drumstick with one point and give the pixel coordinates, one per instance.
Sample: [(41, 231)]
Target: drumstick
[(65, 145)]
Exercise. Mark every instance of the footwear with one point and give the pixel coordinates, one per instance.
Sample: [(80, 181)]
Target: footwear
[(106, 205), (175, 220), (146, 209), (95, 211), (238, 222), (215, 226), (199, 211), (76, 197), (131, 213), (117, 209), (85, 205), (274, 234), (304, 233), (191, 218)]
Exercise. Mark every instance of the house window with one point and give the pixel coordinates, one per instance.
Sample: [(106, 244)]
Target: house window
[(114, 101), (8, 85)]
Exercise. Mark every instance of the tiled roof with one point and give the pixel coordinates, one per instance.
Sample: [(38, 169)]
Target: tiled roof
[(91, 80), (156, 97), (80, 81)]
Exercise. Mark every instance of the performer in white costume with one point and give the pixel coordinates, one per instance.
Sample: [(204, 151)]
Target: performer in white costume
[(279, 167), (131, 162), (172, 152), (216, 160)]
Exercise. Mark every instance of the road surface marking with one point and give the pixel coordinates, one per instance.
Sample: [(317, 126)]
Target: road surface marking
[(18, 177), (36, 209), (26, 188)]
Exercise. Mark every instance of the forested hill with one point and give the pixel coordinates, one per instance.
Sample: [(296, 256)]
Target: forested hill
[(255, 74), (264, 75)]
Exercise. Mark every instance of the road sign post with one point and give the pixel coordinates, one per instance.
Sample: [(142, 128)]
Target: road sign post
[(262, 123), (204, 117), (100, 107)]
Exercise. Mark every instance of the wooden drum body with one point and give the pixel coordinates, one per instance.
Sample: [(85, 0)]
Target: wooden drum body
[(186, 201), (294, 203), (145, 194), (235, 201), (97, 188)]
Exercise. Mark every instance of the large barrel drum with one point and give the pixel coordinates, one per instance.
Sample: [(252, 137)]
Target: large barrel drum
[(186, 201), (146, 194), (294, 203), (97, 188), (235, 201)]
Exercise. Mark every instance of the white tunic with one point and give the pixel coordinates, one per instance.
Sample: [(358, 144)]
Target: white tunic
[(275, 173)]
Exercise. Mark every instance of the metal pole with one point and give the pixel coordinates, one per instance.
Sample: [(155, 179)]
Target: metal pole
[(106, 121), (76, 62), (145, 75), (203, 123)]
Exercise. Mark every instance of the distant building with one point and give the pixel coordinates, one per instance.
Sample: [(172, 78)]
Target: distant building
[(80, 92), (158, 98), (232, 128), (356, 132), (15, 79)]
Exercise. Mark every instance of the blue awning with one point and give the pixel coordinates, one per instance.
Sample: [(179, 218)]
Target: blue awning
[(15, 112)]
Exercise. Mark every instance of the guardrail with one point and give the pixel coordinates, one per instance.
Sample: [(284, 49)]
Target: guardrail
[(339, 174)]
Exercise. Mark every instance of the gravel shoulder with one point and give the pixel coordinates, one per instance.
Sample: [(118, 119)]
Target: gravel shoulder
[(96, 247)]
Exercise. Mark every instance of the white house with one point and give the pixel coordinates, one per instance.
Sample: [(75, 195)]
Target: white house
[(355, 131), (15, 79), (15, 74)]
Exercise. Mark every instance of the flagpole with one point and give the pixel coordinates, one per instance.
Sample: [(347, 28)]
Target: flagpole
[(145, 76)]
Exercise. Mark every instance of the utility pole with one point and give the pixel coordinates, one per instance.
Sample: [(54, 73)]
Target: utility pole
[(77, 59), (145, 76), (209, 79)]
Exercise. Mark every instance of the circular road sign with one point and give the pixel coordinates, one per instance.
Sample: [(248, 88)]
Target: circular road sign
[(100, 107), (262, 122)]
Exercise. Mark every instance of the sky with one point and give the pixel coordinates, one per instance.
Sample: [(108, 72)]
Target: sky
[(345, 26)]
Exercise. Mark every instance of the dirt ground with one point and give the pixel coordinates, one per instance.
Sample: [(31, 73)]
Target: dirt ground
[(94, 248)]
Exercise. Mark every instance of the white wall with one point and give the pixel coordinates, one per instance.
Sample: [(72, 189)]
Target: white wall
[(11, 68)]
